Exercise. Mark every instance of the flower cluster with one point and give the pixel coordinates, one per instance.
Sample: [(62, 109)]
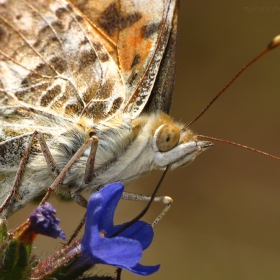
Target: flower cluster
[(99, 244)]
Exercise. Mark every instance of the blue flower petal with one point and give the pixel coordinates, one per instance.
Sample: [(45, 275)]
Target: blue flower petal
[(112, 196), (140, 231), (124, 250), (143, 269), (117, 251), (93, 215), (114, 251)]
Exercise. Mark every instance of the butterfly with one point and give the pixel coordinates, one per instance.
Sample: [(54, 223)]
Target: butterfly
[(73, 71)]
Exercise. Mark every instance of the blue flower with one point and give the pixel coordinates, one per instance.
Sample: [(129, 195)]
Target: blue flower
[(42, 221), (124, 250)]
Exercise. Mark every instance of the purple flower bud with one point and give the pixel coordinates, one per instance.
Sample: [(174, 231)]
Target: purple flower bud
[(42, 221)]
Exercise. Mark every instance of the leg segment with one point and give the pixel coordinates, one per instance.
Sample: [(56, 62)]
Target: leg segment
[(19, 173), (141, 197), (48, 157), (66, 168), (91, 160), (88, 178), (88, 172)]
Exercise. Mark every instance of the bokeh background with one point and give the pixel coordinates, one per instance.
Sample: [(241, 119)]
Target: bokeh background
[(225, 220)]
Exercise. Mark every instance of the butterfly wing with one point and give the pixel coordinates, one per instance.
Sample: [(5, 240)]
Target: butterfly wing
[(52, 58), (139, 31)]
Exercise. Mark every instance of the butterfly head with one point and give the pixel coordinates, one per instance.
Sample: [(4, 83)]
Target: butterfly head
[(176, 146), (170, 142)]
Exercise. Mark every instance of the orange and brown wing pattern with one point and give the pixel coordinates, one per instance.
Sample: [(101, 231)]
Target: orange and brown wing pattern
[(139, 32), (149, 37), (51, 58)]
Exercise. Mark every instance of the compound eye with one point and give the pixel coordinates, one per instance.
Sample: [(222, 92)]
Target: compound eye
[(167, 137)]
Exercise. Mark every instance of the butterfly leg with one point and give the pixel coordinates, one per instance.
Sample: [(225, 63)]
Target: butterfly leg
[(48, 157), (141, 197), (88, 178), (91, 159), (88, 172), (18, 174), (77, 230), (78, 198)]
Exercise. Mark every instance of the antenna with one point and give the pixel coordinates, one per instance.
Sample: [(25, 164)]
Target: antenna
[(238, 145), (275, 42)]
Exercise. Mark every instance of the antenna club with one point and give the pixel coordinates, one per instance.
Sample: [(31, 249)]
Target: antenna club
[(274, 43)]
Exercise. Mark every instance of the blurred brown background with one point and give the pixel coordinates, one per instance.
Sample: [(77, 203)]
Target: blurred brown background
[(225, 220)]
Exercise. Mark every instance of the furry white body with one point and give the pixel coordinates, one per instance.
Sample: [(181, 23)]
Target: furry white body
[(126, 150)]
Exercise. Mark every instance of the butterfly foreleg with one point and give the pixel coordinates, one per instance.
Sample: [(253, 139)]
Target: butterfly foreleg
[(141, 197)]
